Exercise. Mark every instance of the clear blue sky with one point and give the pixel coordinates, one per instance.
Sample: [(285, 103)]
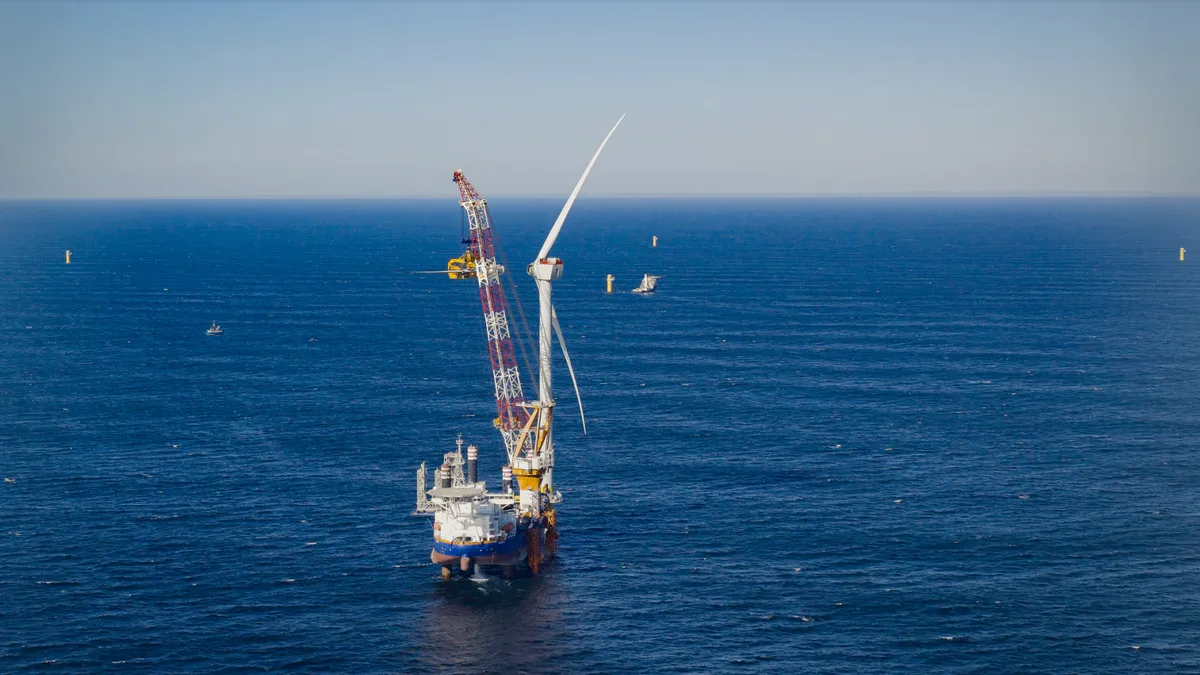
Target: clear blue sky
[(218, 99)]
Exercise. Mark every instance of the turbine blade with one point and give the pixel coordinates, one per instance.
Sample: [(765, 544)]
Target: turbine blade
[(567, 358), (571, 200)]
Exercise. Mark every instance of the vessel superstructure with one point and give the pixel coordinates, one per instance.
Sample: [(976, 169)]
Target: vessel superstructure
[(517, 524)]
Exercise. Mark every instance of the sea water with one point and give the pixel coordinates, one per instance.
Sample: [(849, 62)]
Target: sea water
[(952, 436)]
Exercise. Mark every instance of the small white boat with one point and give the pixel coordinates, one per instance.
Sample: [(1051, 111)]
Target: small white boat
[(214, 330), (649, 283)]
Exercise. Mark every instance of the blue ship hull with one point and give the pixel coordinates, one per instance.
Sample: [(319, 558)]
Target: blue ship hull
[(508, 552), (505, 548)]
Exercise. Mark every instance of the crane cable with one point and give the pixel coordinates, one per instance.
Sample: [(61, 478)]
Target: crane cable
[(527, 335)]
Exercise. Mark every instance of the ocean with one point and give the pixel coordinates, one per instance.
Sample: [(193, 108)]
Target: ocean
[(845, 436)]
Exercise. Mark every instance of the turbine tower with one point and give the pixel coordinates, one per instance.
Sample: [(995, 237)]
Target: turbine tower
[(545, 270)]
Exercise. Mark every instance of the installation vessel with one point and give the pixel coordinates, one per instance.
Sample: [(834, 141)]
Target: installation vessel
[(515, 525)]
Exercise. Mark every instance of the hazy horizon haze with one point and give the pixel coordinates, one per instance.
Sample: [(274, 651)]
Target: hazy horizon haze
[(381, 100)]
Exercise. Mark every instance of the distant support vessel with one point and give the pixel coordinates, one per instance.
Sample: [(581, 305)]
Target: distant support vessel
[(649, 283), (516, 525), (214, 329)]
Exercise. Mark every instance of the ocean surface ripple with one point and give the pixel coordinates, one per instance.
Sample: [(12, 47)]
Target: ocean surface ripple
[(953, 436)]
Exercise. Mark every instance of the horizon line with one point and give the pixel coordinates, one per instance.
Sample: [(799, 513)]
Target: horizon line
[(1081, 194)]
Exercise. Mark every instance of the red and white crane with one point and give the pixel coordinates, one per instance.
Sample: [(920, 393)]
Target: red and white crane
[(511, 413)]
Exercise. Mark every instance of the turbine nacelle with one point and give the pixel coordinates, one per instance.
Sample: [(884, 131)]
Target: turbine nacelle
[(546, 269)]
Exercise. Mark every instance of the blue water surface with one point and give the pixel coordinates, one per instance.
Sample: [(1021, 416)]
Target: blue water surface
[(952, 436)]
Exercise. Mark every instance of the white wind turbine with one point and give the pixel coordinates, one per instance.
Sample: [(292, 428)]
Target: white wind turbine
[(545, 270)]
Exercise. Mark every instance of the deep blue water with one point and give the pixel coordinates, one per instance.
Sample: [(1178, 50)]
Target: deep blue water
[(954, 436)]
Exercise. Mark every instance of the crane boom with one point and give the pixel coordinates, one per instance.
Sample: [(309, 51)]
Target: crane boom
[(511, 411)]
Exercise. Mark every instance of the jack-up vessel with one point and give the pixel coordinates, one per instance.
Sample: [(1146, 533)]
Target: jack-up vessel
[(516, 525)]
